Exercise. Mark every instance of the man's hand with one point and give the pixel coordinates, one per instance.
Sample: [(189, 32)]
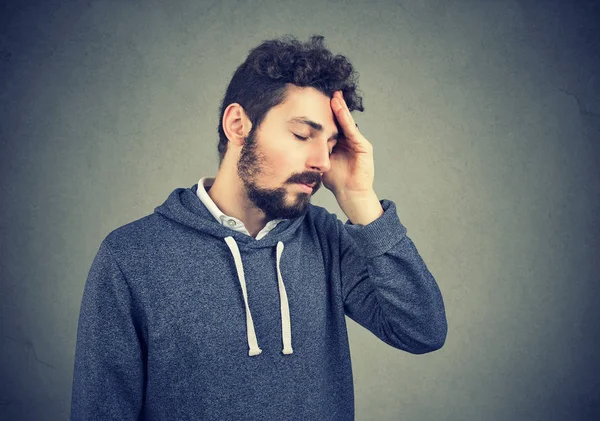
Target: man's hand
[(352, 168)]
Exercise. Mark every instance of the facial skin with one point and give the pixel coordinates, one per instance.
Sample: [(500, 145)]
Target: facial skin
[(270, 160), (272, 201)]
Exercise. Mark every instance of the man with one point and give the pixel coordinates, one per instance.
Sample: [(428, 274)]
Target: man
[(229, 301)]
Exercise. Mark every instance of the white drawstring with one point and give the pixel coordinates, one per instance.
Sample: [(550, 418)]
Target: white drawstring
[(286, 330), (252, 342)]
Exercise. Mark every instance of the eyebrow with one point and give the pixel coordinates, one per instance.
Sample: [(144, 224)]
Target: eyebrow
[(318, 127)]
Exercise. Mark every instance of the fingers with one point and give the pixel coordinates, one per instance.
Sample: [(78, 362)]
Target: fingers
[(342, 113)]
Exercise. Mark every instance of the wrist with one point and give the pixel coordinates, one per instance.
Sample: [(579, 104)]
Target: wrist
[(361, 208)]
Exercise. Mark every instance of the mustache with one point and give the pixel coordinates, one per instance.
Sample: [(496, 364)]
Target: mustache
[(307, 179)]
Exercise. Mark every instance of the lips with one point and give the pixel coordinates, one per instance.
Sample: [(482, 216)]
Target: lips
[(307, 187), (310, 186)]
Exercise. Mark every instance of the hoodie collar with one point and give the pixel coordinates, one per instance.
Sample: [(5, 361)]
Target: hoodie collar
[(184, 207), (229, 221)]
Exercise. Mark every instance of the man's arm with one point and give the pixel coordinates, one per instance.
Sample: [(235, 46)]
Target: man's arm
[(387, 287), (108, 378), (385, 284)]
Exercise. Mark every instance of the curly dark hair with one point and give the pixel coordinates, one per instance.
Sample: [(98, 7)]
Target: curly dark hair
[(259, 83)]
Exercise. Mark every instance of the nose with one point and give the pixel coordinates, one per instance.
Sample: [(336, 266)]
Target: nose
[(319, 158)]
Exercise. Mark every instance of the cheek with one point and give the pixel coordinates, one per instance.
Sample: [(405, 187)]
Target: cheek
[(281, 161), (282, 156)]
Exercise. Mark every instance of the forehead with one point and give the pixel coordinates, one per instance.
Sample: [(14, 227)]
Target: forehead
[(306, 103)]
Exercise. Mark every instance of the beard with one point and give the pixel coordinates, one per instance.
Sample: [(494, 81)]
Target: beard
[(271, 201)]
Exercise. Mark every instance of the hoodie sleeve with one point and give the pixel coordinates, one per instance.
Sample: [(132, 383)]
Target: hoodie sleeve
[(108, 377), (387, 287)]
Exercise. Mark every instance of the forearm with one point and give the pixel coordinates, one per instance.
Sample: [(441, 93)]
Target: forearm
[(361, 209), (387, 286)]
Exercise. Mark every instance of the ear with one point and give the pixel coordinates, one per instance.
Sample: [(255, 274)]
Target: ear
[(236, 124)]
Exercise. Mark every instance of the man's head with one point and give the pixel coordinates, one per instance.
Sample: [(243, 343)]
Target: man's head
[(278, 96)]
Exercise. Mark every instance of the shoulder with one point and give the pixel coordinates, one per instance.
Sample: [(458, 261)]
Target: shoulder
[(323, 220), (317, 212), (135, 235)]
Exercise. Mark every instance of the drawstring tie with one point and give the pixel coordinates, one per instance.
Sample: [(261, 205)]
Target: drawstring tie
[(286, 330)]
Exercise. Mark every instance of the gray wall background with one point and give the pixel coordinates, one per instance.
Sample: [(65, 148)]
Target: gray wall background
[(485, 121)]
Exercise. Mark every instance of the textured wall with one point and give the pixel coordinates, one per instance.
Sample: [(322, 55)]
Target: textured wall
[(485, 120)]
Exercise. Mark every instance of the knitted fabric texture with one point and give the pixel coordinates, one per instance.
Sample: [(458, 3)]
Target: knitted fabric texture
[(168, 331)]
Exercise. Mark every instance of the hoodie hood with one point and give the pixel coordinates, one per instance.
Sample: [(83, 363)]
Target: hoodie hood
[(184, 207)]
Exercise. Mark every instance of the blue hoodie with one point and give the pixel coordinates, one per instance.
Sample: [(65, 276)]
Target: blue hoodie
[(183, 318)]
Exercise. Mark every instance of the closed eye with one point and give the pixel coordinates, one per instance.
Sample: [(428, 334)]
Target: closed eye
[(300, 137)]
